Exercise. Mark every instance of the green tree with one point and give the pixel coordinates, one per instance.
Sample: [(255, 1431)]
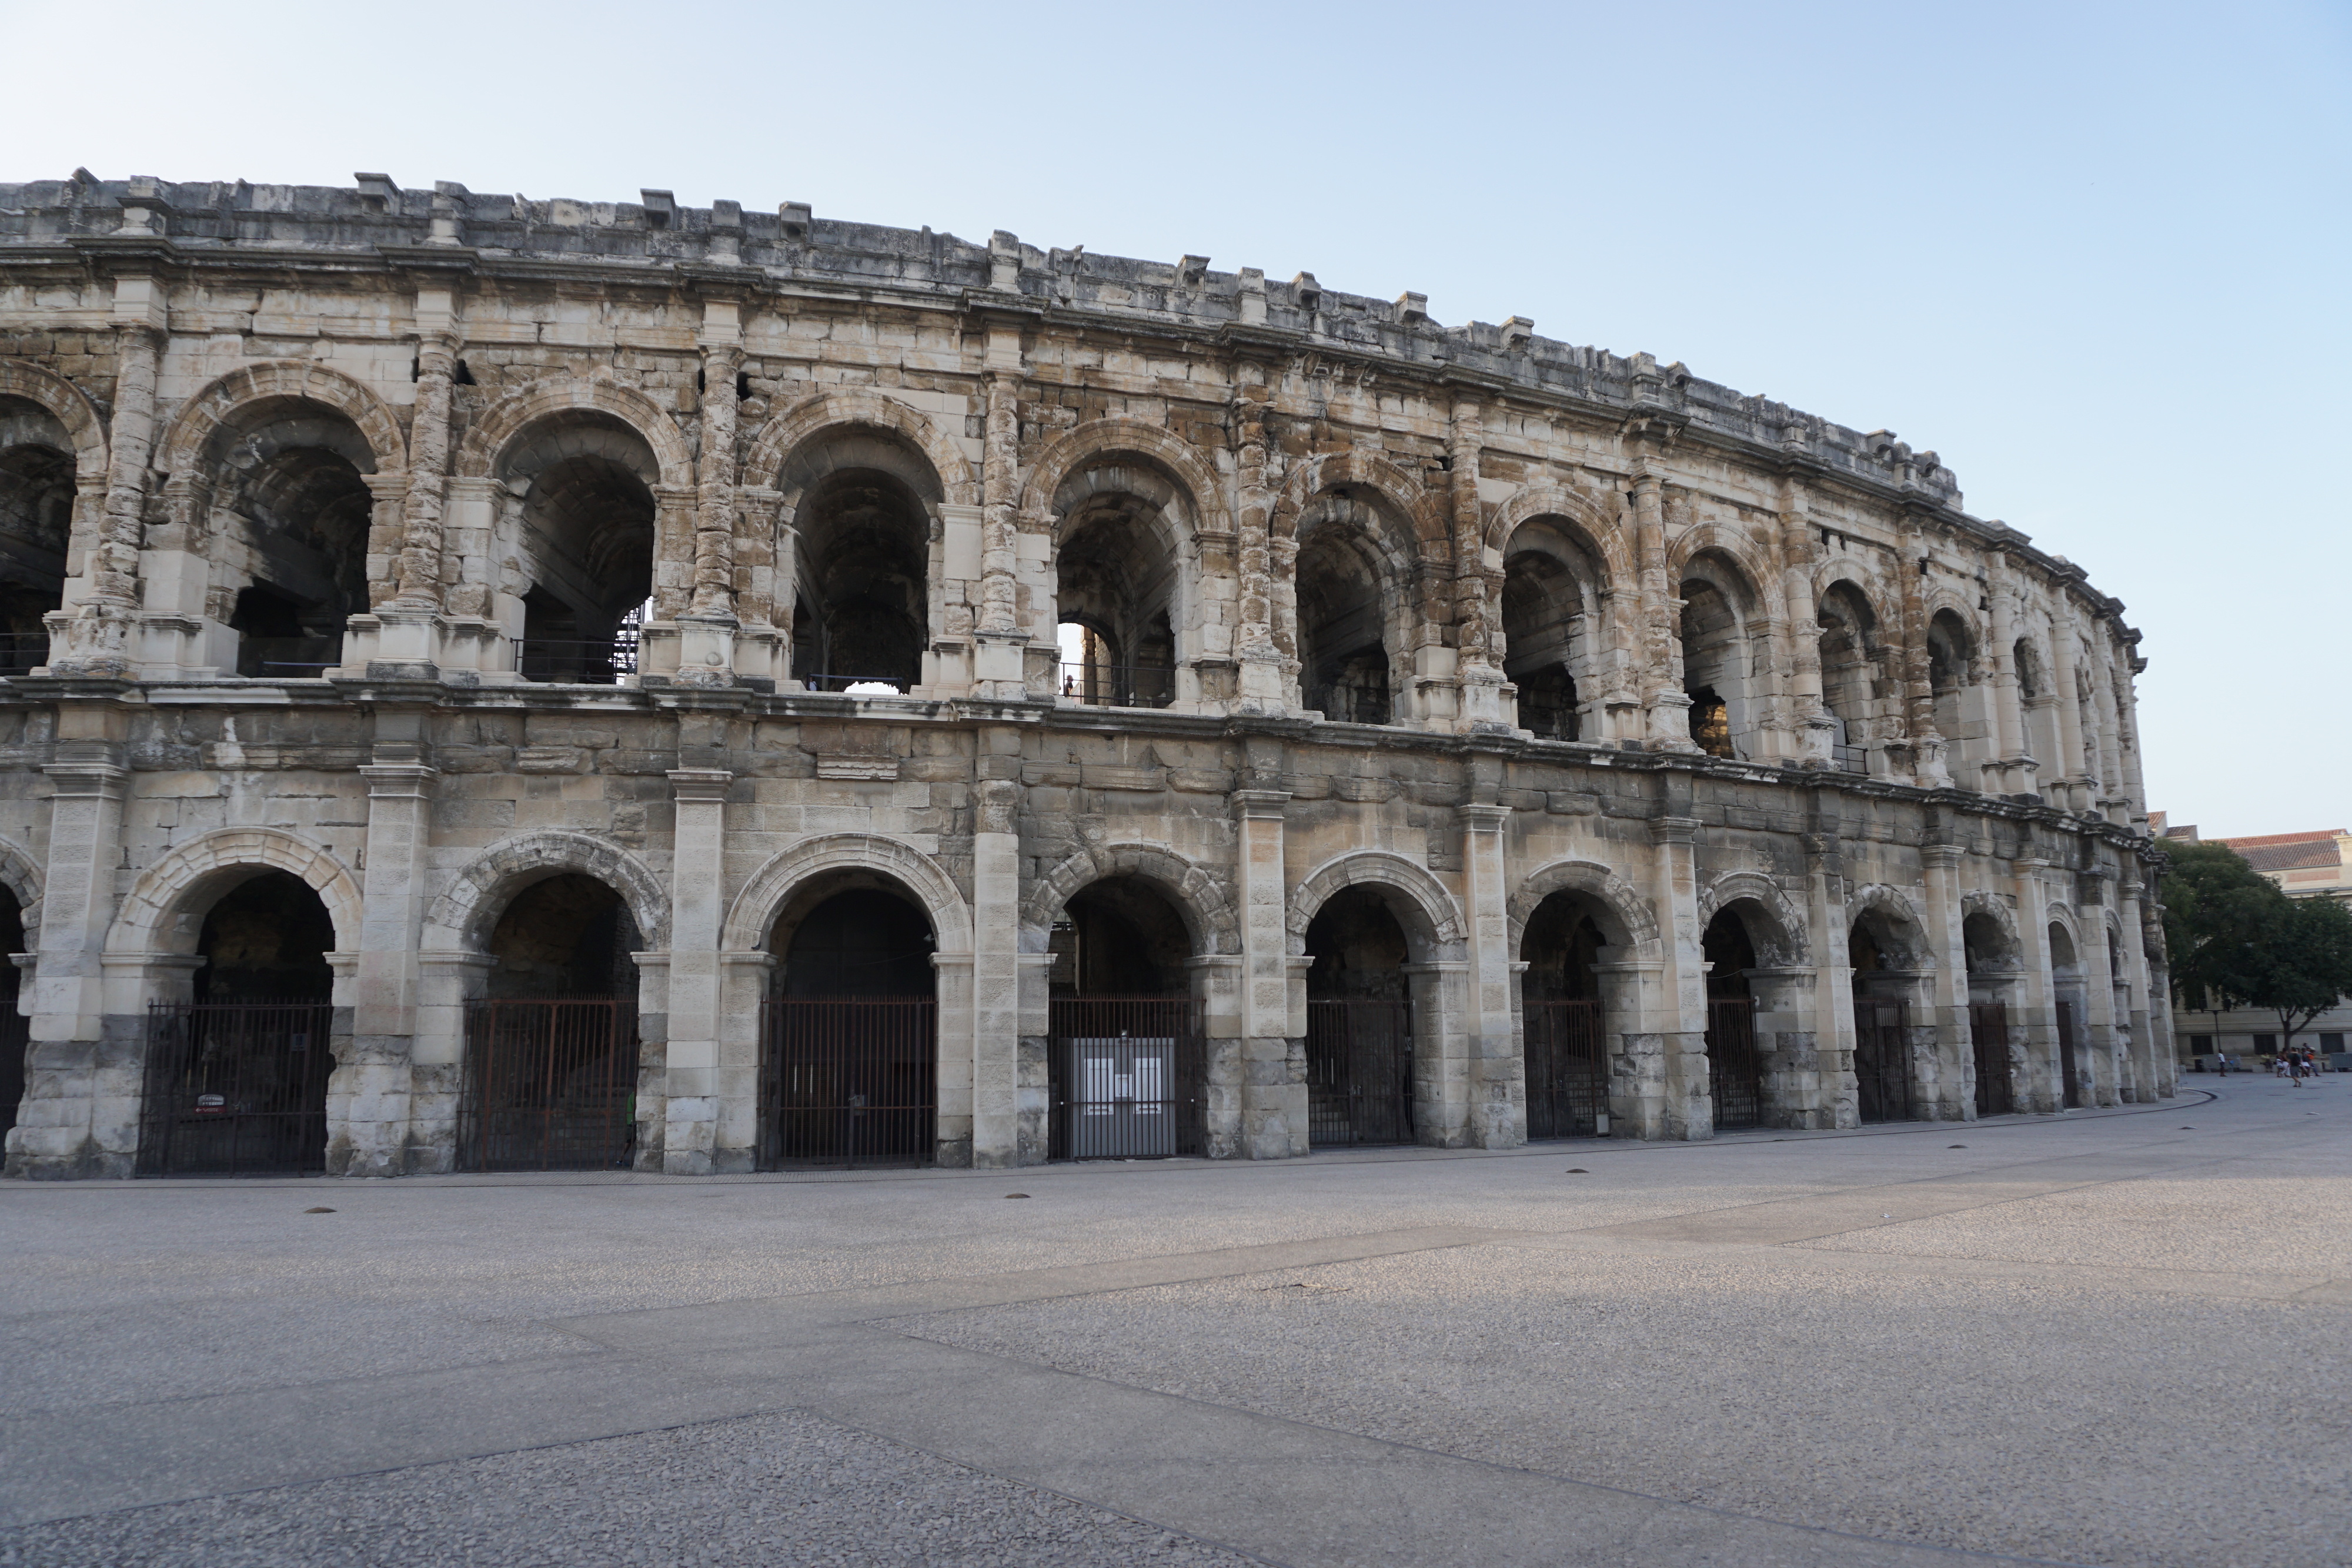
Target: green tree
[(2217, 913), (2303, 966)]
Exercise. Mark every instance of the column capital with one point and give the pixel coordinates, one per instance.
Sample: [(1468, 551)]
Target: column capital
[(1261, 805), (1673, 830), (1483, 817), (700, 783)]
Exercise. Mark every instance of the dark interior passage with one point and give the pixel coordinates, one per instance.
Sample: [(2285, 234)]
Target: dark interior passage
[(849, 1048), (1733, 1073), (1563, 1024), (1359, 1023)]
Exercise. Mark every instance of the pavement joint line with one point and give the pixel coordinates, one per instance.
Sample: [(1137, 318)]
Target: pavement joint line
[(1319, 1160)]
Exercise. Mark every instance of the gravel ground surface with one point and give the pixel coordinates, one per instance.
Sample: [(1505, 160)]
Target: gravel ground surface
[(788, 1487), (2082, 1339)]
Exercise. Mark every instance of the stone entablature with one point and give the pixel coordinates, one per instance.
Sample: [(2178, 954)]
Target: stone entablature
[(1802, 684)]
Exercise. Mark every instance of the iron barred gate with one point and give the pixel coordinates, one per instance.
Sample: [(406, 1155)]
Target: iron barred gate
[(1125, 1078), (849, 1081), (1881, 1059), (1733, 1078), (235, 1088), (1568, 1071), (550, 1085), (1989, 1029), (1359, 1073)]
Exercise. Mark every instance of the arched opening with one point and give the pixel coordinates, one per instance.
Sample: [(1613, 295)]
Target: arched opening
[(291, 507), (1716, 662), (1545, 617), (1359, 1059), (2034, 697), (1115, 588), (1853, 673), (552, 1052), (1735, 1080), (1961, 716), (1992, 964), (237, 1077), (1884, 969), (861, 612), (13, 1033), (1346, 619), (1564, 1019), (583, 516), (36, 501), (849, 1032), (2066, 985), (1125, 1066)]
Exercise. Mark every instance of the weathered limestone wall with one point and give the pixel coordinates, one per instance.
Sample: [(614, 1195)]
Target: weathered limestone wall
[(452, 435)]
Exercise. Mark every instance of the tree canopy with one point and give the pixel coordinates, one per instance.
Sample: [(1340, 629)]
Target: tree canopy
[(2236, 940)]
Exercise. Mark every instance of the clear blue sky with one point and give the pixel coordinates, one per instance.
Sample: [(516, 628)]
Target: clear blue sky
[(2094, 254)]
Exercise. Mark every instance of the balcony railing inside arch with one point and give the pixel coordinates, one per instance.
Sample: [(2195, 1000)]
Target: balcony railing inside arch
[(595, 662), (22, 651), (1118, 686)]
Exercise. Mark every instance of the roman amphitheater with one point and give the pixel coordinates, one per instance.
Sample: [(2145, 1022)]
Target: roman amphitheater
[(497, 683)]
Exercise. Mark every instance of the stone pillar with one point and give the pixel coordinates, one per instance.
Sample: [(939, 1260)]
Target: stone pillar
[(707, 630), (2035, 1042), (1498, 1062), (1663, 697), (447, 980), (2101, 1043), (2013, 768), (694, 1082), (1274, 1045), (1689, 1110), (79, 1114), (1795, 1090), (1476, 587), (368, 1101), (1263, 683), (428, 471), (1945, 1071), (2074, 785), (2136, 1007), (1928, 747), (1217, 987), (1000, 640), (995, 1042), (1834, 968), (95, 638), (2115, 800)]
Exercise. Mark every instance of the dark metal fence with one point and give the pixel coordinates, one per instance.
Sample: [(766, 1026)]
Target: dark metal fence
[(849, 1081), (599, 661), (2070, 1053), (1733, 1076), (22, 651), (550, 1085), (15, 1036), (1568, 1069), (1125, 1078), (235, 1088), (1881, 1059), (1118, 685), (1359, 1073), (1988, 1029)]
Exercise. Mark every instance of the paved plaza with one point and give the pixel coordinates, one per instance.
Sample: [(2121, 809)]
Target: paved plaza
[(2110, 1337)]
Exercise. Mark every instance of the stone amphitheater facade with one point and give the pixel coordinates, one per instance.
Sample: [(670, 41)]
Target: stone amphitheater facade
[(1462, 620)]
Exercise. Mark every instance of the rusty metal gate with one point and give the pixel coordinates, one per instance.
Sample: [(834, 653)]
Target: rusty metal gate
[(1359, 1073), (848, 1080), (1881, 1059), (1124, 1077), (1568, 1069), (1732, 1074), (1988, 1029), (2070, 1051), (550, 1085), (235, 1088)]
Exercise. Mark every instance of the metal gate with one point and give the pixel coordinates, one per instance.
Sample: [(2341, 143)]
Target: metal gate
[(1359, 1073), (1988, 1028), (1881, 1059), (1732, 1075), (15, 1035), (550, 1085), (1568, 1069), (1125, 1078), (235, 1088), (849, 1081), (2069, 1063)]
